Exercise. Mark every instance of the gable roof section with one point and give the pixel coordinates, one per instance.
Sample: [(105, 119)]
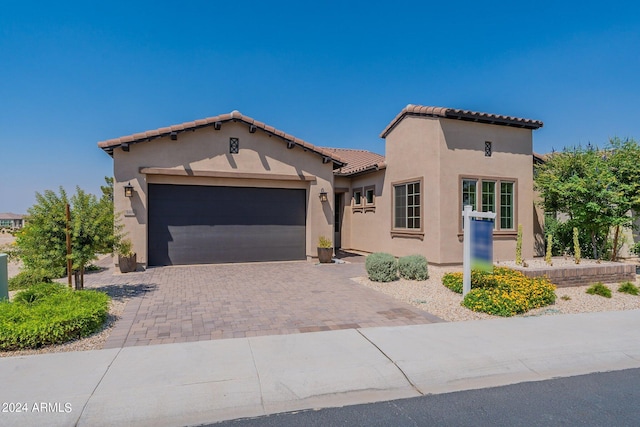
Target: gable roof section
[(216, 121), (358, 161), (451, 113)]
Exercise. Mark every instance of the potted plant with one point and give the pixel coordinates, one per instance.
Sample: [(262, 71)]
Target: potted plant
[(127, 261), (325, 250)]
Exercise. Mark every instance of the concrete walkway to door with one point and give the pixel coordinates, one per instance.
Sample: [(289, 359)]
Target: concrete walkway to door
[(205, 302)]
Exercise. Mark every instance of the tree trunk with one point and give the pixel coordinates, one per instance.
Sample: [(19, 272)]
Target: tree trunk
[(79, 276), (614, 252), (594, 245)]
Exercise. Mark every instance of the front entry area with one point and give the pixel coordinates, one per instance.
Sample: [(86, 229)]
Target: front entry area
[(191, 224)]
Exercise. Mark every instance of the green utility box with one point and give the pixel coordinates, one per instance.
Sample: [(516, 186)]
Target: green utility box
[(4, 277)]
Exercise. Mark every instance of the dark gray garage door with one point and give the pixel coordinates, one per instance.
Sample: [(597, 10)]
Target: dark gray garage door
[(191, 224)]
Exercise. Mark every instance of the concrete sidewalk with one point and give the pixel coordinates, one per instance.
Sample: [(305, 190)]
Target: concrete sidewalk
[(207, 381)]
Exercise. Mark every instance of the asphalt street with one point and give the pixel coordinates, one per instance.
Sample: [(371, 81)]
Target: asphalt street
[(600, 399)]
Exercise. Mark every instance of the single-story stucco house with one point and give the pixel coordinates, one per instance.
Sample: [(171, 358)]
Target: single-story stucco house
[(11, 221), (232, 189)]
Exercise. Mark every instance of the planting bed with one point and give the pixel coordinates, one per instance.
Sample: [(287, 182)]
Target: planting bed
[(566, 273)]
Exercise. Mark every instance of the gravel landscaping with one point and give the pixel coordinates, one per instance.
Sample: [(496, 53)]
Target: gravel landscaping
[(430, 295)]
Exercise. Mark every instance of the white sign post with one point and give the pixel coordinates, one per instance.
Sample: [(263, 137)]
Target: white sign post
[(467, 214)]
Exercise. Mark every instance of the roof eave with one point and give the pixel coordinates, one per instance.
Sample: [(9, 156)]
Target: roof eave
[(109, 145), (501, 121), (450, 113), (363, 171)]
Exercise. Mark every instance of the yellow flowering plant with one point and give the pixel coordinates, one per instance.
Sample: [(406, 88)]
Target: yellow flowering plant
[(505, 292)]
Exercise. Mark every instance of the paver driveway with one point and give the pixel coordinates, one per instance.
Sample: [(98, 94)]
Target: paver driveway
[(204, 302)]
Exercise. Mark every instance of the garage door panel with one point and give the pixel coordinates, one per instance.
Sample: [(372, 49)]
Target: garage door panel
[(202, 244), (195, 224)]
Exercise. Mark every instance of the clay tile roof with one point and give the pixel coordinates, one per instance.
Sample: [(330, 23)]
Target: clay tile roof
[(358, 161), (451, 113), (109, 145), (540, 158)]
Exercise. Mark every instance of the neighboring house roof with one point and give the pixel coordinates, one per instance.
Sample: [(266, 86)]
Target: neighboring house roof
[(539, 158), (216, 121), (8, 215), (451, 113), (358, 161)]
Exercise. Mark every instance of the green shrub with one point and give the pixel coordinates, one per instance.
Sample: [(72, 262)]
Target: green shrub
[(30, 277), (519, 245), (36, 292), (55, 316), (599, 289), (324, 242), (92, 267), (413, 267), (504, 292), (381, 267), (628, 288), (548, 256)]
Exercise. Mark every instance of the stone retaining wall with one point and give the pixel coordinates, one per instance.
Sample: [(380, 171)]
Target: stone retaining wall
[(580, 275)]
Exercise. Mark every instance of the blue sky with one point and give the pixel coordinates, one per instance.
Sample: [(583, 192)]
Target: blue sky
[(332, 73)]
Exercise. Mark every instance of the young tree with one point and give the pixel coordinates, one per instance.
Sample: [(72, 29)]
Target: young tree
[(623, 158), (596, 189), (91, 230), (42, 241)]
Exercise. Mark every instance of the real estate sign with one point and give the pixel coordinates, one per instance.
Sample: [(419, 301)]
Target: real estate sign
[(467, 215), (482, 244)]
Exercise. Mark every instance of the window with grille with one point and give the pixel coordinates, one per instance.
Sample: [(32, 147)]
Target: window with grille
[(407, 209), (506, 205), (490, 195)]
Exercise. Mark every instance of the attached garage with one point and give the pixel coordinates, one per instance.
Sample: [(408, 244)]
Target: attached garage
[(222, 189), (192, 224)]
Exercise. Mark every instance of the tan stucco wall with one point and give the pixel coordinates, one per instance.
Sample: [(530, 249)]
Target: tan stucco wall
[(413, 150), (208, 150), (439, 152), (511, 159), (365, 232)]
